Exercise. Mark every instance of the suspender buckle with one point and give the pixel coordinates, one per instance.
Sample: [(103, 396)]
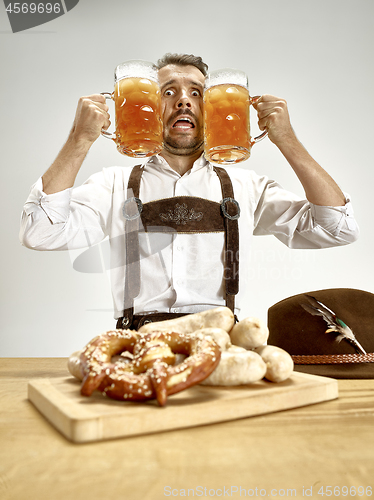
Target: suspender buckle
[(129, 212), (224, 209), (125, 322)]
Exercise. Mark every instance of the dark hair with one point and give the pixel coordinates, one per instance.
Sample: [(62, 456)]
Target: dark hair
[(183, 60)]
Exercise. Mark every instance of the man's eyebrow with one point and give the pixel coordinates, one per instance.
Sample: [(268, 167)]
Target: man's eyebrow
[(192, 82)]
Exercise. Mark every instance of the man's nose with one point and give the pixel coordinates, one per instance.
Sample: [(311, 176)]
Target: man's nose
[(184, 101)]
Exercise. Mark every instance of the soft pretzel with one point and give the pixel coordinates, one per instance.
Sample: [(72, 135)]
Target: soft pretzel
[(152, 372), (218, 335)]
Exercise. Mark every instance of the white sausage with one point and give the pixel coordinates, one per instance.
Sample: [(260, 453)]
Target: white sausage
[(220, 317), (249, 333), (75, 365), (278, 362), (237, 368), (221, 337)]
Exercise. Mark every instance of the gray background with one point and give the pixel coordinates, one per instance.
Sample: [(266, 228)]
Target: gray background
[(317, 55)]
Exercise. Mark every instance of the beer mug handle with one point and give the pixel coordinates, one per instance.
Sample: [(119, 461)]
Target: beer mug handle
[(104, 133), (265, 133)]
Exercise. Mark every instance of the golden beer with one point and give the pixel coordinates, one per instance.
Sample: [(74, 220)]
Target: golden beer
[(138, 117), (227, 128), (137, 98), (226, 117)]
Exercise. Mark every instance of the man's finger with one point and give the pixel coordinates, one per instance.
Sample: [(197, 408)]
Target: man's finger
[(97, 98)]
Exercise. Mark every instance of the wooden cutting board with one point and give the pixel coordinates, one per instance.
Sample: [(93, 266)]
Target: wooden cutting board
[(97, 418)]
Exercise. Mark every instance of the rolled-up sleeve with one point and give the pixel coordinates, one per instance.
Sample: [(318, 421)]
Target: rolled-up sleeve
[(69, 219), (337, 220), (55, 206), (300, 224)]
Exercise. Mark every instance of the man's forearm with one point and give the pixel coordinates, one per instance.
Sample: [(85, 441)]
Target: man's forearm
[(90, 118), (63, 171), (319, 187)]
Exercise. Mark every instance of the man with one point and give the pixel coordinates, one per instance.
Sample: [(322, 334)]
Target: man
[(182, 272)]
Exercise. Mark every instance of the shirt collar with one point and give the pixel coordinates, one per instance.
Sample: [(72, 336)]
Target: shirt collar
[(201, 163), (159, 161)]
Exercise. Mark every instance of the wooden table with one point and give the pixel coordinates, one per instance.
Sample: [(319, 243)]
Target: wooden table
[(292, 453)]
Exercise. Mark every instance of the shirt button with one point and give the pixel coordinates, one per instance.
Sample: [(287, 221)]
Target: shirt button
[(176, 309)]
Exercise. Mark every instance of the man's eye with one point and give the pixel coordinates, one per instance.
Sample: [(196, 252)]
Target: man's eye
[(169, 92), (196, 93)]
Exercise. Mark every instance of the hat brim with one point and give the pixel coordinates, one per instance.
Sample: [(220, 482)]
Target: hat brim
[(341, 371), (300, 333)]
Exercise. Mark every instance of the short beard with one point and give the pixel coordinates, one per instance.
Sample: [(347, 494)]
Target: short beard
[(176, 149)]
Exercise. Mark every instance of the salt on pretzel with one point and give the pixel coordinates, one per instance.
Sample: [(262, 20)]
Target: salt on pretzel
[(151, 373)]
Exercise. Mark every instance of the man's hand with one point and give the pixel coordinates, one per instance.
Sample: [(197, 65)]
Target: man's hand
[(91, 117), (273, 116), (319, 187)]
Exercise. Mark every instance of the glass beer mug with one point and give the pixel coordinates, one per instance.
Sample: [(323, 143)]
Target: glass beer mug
[(226, 117), (137, 98)]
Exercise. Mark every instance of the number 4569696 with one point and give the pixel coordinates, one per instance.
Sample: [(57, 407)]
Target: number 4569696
[(344, 491), (33, 8)]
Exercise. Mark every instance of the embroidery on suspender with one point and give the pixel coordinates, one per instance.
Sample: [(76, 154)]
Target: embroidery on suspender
[(181, 215)]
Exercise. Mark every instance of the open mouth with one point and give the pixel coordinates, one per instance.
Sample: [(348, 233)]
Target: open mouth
[(183, 123)]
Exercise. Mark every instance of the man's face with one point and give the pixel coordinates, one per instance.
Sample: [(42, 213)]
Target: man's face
[(182, 108)]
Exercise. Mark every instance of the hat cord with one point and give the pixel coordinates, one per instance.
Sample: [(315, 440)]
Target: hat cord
[(329, 359)]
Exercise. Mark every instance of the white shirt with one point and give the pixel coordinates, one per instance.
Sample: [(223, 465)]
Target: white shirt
[(179, 272)]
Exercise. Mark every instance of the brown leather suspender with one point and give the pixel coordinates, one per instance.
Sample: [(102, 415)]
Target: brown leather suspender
[(186, 214), (231, 212)]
